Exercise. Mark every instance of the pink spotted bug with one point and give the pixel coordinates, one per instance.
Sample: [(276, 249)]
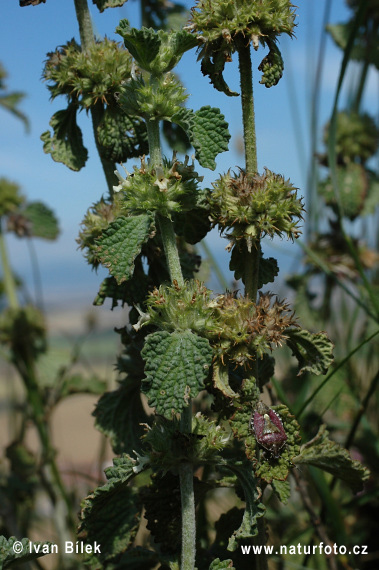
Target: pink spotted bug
[(268, 429)]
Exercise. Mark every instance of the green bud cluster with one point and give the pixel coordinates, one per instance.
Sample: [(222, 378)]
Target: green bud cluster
[(174, 308), (152, 98), (254, 206), (353, 185), (254, 20), (168, 446), (272, 67), (172, 187), (357, 137), (245, 329), (90, 76)]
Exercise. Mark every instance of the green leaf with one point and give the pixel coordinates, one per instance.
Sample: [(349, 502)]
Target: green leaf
[(176, 366), (132, 292), (43, 223), (119, 415), (282, 490), (314, 351), (78, 384), (218, 564), (104, 4), (254, 509), (192, 225), (213, 67), (121, 242), (66, 143), (110, 515), (122, 137), (209, 135), (341, 34), (10, 197), (221, 379), (267, 271), (10, 555), (157, 52), (327, 455)]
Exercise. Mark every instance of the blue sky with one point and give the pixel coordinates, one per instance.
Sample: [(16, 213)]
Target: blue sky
[(27, 34)]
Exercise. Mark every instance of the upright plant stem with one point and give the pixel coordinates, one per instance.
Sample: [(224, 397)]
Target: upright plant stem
[(176, 275), (87, 39), (252, 262), (250, 141), (9, 282)]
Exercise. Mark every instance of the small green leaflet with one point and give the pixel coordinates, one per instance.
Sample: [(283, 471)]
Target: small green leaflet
[(325, 454), (314, 351), (44, 224), (14, 551), (176, 366), (66, 143), (121, 242)]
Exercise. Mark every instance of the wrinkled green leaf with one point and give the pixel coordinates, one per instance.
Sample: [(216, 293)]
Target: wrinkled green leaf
[(282, 490), (209, 135), (121, 242), (110, 515), (314, 351), (155, 51), (254, 509), (192, 225), (221, 379), (66, 143), (104, 4), (122, 137), (176, 366), (213, 67), (268, 267), (327, 455), (119, 415), (129, 292), (9, 558), (43, 222)]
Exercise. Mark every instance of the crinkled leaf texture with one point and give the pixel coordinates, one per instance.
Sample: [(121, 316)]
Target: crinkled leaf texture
[(176, 366), (119, 415), (314, 351), (103, 4), (121, 242), (43, 222), (110, 515), (281, 489), (155, 51), (8, 558), (130, 292), (254, 509), (66, 143), (325, 454), (207, 131), (268, 267)]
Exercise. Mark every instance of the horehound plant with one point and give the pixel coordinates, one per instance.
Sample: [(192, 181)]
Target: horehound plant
[(200, 359)]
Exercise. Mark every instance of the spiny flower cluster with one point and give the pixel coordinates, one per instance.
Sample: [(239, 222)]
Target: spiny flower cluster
[(254, 20), (253, 206), (90, 76), (238, 329), (357, 137), (245, 329), (172, 187)]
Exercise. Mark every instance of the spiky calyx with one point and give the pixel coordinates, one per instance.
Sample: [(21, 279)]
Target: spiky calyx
[(172, 187), (174, 308), (357, 137), (90, 76), (253, 206), (214, 19), (247, 330), (156, 98)]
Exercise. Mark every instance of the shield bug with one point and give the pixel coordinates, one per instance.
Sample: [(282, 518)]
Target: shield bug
[(268, 429)]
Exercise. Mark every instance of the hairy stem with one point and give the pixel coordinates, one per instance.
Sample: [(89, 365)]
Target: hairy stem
[(8, 278), (247, 101), (188, 517), (171, 250), (87, 39)]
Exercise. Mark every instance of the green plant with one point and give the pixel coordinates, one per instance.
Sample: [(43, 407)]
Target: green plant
[(201, 361)]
